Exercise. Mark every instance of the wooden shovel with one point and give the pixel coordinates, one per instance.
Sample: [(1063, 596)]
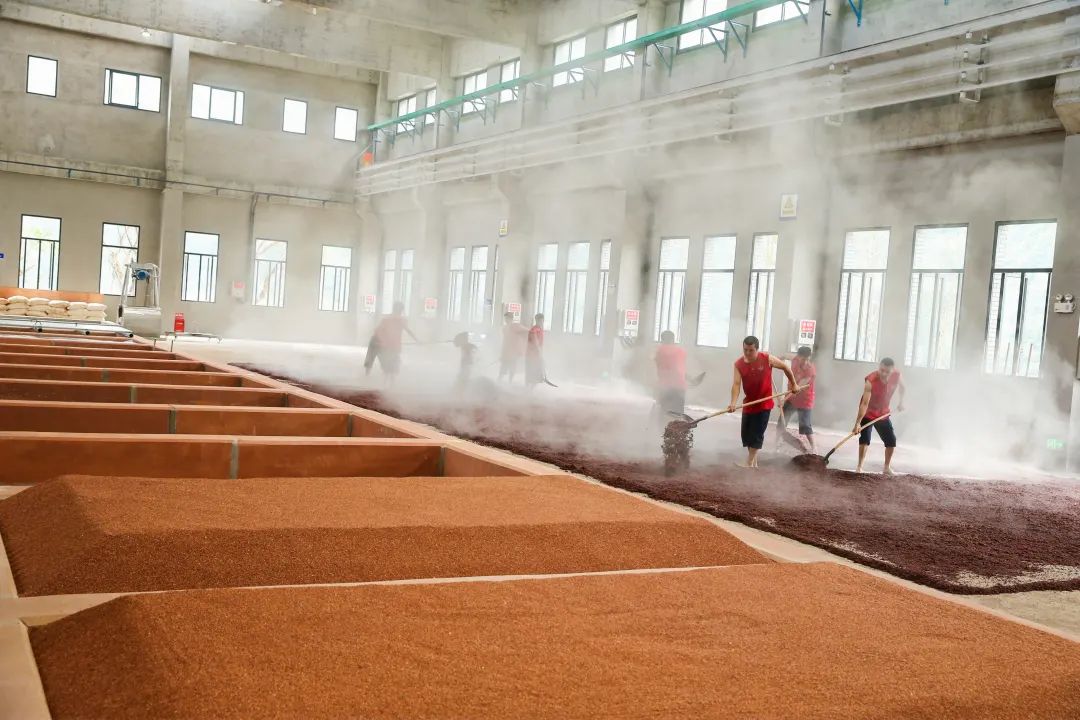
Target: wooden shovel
[(725, 411), (853, 434)]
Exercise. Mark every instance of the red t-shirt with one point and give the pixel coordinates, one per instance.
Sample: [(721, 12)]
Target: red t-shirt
[(671, 367), (756, 382), (804, 372), (881, 393), (536, 339), (388, 332)]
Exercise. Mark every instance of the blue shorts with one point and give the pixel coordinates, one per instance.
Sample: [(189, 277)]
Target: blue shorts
[(884, 429), (753, 429), (806, 426)]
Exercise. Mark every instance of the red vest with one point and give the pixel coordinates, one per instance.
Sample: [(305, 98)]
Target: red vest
[(880, 393), (756, 382), (804, 372)]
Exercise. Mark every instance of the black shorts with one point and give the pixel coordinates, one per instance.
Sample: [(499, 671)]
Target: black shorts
[(753, 429), (884, 429), (806, 426)]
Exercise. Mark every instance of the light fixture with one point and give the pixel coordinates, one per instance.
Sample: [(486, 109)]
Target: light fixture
[(146, 33)]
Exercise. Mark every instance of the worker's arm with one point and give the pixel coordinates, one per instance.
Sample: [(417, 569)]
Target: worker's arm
[(900, 402), (864, 402), (736, 387), (793, 384)]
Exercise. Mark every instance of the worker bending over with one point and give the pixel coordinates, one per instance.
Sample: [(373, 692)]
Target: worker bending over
[(878, 390), (534, 353), (385, 343), (753, 375), (670, 375), (802, 403)]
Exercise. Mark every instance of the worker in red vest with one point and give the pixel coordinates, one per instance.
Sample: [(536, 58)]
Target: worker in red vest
[(802, 403), (670, 375), (878, 389), (534, 353), (753, 375)]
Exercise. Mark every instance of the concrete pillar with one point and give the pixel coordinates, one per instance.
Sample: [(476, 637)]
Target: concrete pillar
[(170, 254), (651, 18), (532, 59), (517, 251), (1061, 331)]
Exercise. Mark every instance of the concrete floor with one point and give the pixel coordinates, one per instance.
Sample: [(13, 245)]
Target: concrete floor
[(433, 367)]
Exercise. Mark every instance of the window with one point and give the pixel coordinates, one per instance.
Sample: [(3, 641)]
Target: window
[(762, 282), (602, 284), (577, 280), (1019, 292), (478, 284), (270, 273), (470, 84), (119, 248), (334, 278), (547, 259), (404, 286), (565, 52), (457, 282), (294, 118), (618, 34), (495, 318), (211, 103), (389, 281), (509, 71), (671, 286), (406, 106), (862, 280), (345, 120), (695, 10), (429, 101), (717, 279), (39, 253), (40, 76), (937, 277), (779, 13), (133, 90), (199, 282)]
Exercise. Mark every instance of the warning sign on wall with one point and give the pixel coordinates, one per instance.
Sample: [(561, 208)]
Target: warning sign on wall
[(431, 307), (514, 308), (237, 290), (789, 206), (807, 333), (504, 228), (631, 320), (369, 303)]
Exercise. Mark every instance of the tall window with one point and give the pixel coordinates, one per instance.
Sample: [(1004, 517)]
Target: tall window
[(270, 273), (602, 285), (389, 280), (40, 76), (937, 278), (39, 253), (577, 281), (133, 90), (404, 286), (345, 121), (617, 34), (119, 248), (779, 13), (862, 281), (717, 280), (429, 101), (695, 10), (294, 116), (470, 84), (1019, 292), (495, 289), (478, 271), (509, 71), (671, 286), (762, 282), (406, 106), (199, 282), (334, 278), (565, 52), (457, 283), (547, 260), (212, 103)]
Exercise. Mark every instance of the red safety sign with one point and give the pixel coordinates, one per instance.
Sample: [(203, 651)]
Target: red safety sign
[(178, 323)]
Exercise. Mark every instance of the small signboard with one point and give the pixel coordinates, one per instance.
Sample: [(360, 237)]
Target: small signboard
[(514, 308), (631, 320), (369, 304), (237, 290), (789, 206), (504, 228), (431, 307), (807, 333)]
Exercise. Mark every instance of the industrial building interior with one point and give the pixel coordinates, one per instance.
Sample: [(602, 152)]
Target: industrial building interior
[(374, 358)]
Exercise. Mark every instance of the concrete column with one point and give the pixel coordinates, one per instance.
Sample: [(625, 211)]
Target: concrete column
[(517, 251), (651, 17), (170, 254), (1061, 355), (532, 59)]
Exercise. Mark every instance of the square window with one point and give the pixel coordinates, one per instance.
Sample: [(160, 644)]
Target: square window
[(345, 120), (41, 76), (295, 117)]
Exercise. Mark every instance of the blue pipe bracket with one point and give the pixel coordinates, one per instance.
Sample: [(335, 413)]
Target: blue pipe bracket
[(858, 11)]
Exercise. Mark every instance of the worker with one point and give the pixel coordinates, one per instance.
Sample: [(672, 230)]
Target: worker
[(534, 353), (670, 375), (514, 339), (802, 403), (387, 343), (468, 358), (753, 375), (878, 389)]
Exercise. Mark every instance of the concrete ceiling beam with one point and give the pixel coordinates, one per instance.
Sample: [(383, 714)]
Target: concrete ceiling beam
[(502, 21)]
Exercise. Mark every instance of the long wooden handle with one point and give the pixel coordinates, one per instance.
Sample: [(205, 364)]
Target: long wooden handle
[(748, 404), (856, 432)]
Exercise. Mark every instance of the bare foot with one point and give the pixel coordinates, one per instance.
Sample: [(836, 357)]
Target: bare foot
[(887, 471), (859, 469), (746, 466)]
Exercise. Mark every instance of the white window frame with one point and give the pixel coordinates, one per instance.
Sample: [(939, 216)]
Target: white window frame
[(864, 344), (603, 280), (131, 252), (405, 277), (940, 349), (204, 265), (40, 245), (759, 306), (272, 272), (781, 13), (709, 273), (347, 137), (237, 102), (544, 297), (472, 83), (55, 75), (576, 289), (430, 100), (617, 34), (568, 51), (406, 106), (510, 70), (455, 288), (285, 116), (148, 101), (670, 293), (478, 274), (695, 10), (338, 278)]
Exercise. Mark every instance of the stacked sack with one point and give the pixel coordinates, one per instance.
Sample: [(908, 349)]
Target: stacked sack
[(3, 306), (38, 307), (77, 311), (18, 305), (95, 312), (57, 308)]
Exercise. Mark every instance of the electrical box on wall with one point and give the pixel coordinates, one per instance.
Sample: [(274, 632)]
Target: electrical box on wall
[(630, 321), (805, 334), (1064, 304), (513, 308)]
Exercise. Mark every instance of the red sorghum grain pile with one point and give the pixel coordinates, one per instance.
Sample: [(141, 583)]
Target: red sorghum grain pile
[(678, 441)]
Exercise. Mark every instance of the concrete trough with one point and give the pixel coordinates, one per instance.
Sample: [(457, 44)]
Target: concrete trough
[(61, 359), (105, 351), (72, 391), (120, 375)]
